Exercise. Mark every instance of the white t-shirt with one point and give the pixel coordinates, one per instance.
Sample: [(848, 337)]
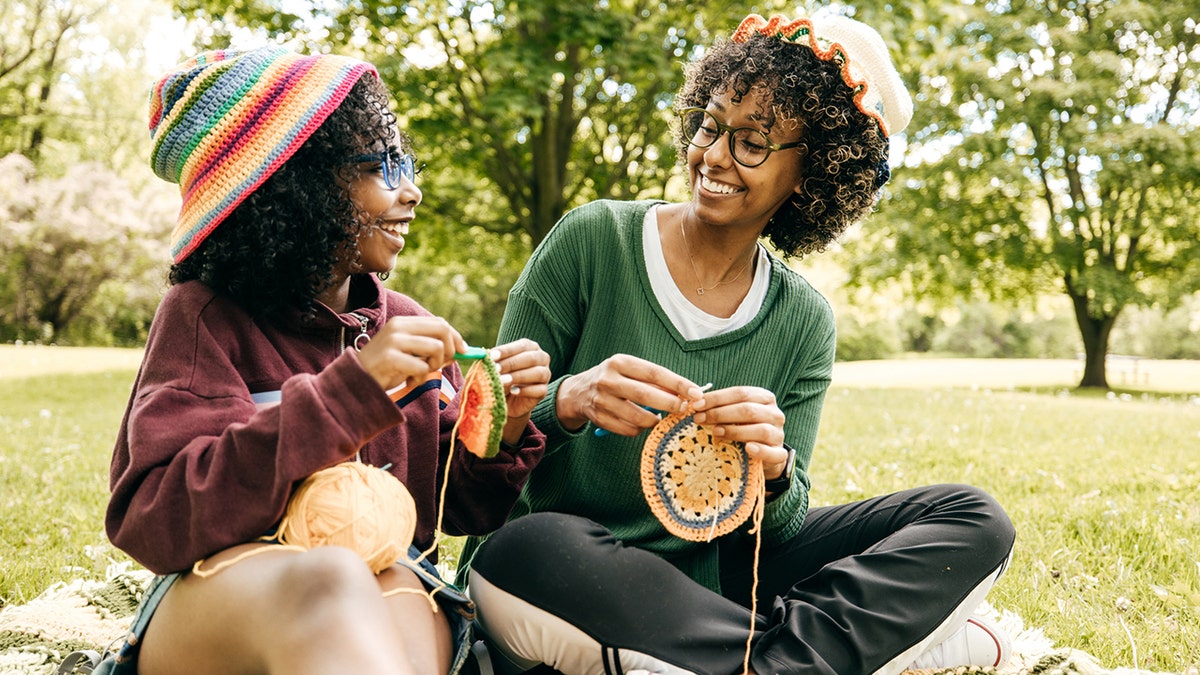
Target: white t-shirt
[(691, 321)]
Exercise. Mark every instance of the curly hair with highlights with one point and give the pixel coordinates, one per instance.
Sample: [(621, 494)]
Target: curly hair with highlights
[(844, 153), (277, 250)]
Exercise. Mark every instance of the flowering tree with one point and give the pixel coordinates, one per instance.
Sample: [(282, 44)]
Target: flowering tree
[(66, 242)]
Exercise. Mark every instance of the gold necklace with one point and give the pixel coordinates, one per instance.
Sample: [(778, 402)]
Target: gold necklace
[(700, 289)]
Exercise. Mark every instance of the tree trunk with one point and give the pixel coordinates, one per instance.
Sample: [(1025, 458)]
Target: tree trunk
[(547, 188), (1095, 332)]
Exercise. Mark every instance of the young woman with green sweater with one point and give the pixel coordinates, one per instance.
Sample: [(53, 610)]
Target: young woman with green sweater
[(784, 134)]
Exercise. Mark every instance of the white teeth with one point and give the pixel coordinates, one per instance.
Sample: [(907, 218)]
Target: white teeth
[(719, 188)]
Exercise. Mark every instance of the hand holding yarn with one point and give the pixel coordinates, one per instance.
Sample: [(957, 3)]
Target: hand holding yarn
[(525, 373), (368, 510), (750, 416), (618, 394)]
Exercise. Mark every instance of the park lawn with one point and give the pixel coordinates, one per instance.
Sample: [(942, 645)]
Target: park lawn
[(1102, 492), (56, 437), (1101, 488)]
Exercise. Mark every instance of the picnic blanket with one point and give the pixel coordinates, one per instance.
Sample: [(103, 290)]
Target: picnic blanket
[(80, 614), (69, 616)]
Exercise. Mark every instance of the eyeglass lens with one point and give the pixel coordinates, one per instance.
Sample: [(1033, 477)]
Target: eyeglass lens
[(395, 166), (750, 147)]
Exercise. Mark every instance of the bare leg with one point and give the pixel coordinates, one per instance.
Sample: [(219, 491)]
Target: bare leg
[(315, 612), (423, 634)]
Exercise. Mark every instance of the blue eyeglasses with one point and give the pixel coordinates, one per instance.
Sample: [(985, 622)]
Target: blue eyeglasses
[(394, 165)]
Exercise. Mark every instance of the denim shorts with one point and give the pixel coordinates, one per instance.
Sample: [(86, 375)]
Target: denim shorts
[(459, 610)]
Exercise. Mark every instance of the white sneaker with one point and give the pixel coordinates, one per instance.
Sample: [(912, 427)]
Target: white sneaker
[(979, 643)]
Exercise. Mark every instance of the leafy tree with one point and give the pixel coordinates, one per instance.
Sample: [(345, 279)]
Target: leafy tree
[(35, 34), (538, 105), (73, 81), (1054, 149), (521, 110)]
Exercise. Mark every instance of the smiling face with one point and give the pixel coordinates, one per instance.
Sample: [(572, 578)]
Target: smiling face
[(386, 215), (726, 193)]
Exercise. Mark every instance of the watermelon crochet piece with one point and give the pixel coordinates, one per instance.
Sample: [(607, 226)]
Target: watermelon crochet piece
[(699, 486), (482, 409)]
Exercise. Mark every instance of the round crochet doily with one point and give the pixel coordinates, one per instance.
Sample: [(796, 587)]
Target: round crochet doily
[(699, 486)]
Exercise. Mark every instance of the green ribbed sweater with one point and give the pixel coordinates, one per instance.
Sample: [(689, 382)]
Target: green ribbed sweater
[(583, 296)]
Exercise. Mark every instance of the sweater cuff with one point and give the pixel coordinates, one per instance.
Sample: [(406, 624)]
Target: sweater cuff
[(355, 399), (545, 418), (784, 515)]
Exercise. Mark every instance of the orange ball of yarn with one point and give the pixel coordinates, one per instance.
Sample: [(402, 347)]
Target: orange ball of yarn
[(361, 507)]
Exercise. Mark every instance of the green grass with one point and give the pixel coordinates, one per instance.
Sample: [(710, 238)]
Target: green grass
[(56, 436), (1103, 491)]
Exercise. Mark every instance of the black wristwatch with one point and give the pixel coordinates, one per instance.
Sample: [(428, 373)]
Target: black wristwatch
[(781, 484)]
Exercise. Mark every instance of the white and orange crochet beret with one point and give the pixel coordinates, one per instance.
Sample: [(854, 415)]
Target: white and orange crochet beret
[(866, 66)]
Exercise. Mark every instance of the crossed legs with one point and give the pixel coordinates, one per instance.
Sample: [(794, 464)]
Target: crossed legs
[(863, 588)]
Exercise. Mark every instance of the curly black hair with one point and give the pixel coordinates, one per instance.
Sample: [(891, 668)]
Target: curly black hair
[(844, 155), (277, 250)]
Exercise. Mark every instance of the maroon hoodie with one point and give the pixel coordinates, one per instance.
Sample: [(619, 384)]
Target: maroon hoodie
[(228, 413)]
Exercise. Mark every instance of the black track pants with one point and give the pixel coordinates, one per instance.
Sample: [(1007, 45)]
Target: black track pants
[(863, 588)]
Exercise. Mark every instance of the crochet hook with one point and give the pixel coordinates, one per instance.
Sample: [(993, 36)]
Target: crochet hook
[(470, 354)]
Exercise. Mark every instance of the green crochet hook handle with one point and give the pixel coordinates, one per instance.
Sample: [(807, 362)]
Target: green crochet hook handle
[(471, 354)]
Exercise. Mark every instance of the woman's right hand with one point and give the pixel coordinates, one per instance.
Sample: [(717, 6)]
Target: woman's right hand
[(616, 393), (408, 348)]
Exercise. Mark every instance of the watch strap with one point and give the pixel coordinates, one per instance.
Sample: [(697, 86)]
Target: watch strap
[(784, 481)]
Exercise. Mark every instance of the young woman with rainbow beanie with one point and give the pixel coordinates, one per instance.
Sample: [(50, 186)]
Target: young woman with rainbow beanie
[(271, 357)]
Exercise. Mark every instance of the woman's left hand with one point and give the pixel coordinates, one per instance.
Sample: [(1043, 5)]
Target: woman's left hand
[(525, 374), (749, 415)]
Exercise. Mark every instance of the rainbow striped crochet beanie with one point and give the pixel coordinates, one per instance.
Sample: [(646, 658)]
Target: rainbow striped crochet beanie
[(224, 121)]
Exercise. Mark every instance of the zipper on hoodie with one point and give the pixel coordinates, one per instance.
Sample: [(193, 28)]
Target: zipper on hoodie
[(359, 340), (362, 338)]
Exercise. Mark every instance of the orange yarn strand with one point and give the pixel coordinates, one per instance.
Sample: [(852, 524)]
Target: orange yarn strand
[(474, 374), (688, 473), (437, 528), (760, 509), (225, 564)]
